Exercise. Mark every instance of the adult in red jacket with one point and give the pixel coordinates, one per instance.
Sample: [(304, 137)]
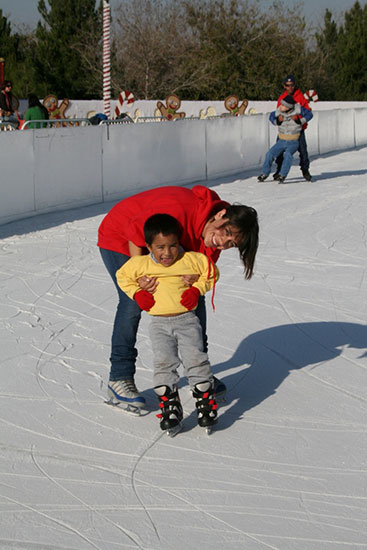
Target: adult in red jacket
[(289, 85), (209, 225)]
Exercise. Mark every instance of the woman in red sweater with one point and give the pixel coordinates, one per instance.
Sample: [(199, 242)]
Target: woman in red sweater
[(209, 225)]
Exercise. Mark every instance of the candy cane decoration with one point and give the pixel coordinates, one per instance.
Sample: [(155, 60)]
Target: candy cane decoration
[(311, 95), (106, 59), (124, 96)]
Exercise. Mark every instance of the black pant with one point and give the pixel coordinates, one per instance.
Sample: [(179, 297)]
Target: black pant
[(304, 161)]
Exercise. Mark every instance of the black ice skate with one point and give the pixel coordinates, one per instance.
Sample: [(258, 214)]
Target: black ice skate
[(306, 174), (206, 405), (171, 409)]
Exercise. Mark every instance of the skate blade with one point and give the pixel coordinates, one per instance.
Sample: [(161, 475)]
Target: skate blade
[(126, 407), (171, 432)]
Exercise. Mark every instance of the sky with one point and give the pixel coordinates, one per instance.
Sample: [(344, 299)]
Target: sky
[(286, 466), (25, 11)]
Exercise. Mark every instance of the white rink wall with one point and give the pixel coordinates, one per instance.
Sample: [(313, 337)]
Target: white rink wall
[(53, 169)]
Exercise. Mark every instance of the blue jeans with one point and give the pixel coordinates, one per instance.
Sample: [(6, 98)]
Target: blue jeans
[(288, 148), (304, 161), (127, 318)]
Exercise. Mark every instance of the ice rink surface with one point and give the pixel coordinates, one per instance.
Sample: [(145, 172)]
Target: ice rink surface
[(285, 468)]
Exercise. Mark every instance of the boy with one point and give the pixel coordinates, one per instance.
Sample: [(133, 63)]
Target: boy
[(289, 117), (289, 85), (175, 329)]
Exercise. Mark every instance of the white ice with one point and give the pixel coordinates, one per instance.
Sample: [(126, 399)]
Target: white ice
[(286, 467)]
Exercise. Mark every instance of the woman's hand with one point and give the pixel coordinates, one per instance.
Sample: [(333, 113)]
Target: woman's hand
[(148, 283), (189, 279)]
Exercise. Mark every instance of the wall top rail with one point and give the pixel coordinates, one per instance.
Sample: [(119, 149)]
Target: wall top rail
[(57, 123)]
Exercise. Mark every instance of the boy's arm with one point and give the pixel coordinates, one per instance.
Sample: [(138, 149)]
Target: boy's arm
[(273, 117), (306, 115), (126, 278)]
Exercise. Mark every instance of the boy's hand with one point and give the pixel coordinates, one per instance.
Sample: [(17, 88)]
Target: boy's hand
[(144, 299), (189, 279), (190, 298), (148, 283)]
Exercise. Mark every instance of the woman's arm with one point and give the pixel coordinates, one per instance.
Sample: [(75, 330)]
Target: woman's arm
[(135, 250)]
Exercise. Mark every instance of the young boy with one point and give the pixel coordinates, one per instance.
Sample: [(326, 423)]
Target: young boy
[(289, 117), (175, 330)]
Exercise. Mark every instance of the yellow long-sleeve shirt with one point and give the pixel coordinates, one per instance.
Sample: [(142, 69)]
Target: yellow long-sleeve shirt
[(170, 288)]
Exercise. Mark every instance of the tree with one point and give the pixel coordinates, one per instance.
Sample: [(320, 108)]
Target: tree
[(150, 47), (343, 54), (250, 51), (59, 66)]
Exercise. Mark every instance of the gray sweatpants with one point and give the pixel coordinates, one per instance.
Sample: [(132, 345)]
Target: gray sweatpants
[(177, 340)]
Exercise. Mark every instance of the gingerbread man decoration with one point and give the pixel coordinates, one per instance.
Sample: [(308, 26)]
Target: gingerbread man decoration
[(169, 111), (54, 109), (231, 104)]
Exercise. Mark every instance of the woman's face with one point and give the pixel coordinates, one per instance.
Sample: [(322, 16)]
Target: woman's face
[(219, 234)]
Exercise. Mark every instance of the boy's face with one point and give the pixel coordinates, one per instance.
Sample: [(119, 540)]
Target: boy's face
[(284, 109), (165, 249)]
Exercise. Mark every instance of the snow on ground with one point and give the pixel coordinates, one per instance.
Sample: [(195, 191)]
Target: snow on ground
[(285, 469)]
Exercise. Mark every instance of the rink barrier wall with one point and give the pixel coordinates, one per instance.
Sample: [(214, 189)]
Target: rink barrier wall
[(45, 170)]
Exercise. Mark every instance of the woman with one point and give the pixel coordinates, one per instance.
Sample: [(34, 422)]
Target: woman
[(35, 111), (209, 225)]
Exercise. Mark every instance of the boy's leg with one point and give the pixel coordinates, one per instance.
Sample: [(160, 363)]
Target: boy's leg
[(128, 313), (165, 352), (273, 153), (290, 149), (187, 331), (200, 312)]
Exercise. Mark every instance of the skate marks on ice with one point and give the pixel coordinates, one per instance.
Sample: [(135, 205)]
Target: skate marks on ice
[(289, 475)]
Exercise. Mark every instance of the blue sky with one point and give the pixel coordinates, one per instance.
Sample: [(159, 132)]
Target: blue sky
[(25, 11)]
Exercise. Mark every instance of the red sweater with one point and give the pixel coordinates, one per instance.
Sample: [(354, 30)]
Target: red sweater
[(299, 98), (191, 207)]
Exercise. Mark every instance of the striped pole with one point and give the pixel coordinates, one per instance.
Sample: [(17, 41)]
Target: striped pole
[(106, 60)]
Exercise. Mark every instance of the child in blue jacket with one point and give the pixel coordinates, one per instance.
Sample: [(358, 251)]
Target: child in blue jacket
[(289, 117)]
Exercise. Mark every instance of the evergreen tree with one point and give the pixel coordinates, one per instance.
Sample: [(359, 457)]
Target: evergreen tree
[(352, 54), (343, 56), (59, 66)]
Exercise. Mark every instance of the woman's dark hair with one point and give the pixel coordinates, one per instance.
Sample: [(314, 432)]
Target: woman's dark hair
[(244, 218), (33, 101), (161, 223)]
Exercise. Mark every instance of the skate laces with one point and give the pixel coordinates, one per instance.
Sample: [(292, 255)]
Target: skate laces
[(124, 387)]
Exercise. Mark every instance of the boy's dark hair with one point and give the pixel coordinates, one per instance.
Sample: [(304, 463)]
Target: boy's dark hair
[(161, 223)]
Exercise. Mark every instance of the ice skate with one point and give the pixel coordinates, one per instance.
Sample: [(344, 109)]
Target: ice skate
[(206, 405), (276, 175), (124, 394), (171, 409), (262, 177), (306, 174), (220, 389), (281, 179)]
